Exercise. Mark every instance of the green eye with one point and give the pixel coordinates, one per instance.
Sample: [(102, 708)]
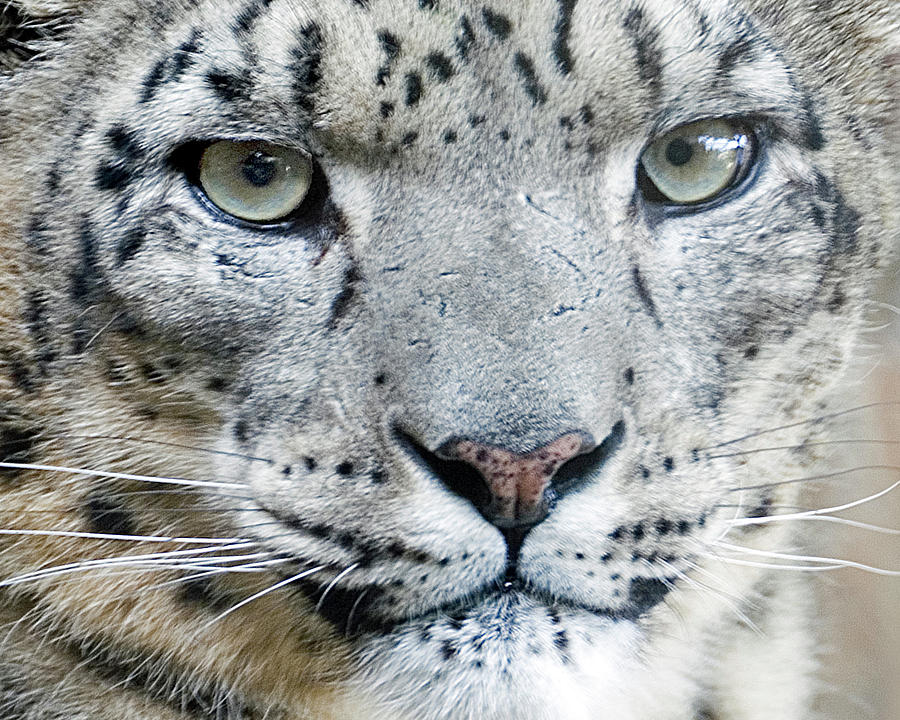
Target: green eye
[(695, 162), (255, 181)]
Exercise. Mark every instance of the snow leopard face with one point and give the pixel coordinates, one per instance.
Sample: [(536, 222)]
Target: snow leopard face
[(425, 345)]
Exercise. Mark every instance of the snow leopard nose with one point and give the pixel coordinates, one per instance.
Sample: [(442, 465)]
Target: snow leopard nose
[(518, 484)]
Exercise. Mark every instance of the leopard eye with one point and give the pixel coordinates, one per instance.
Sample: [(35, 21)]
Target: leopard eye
[(695, 162), (255, 181)]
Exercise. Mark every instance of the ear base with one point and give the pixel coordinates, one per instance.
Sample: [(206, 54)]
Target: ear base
[(27, 27)]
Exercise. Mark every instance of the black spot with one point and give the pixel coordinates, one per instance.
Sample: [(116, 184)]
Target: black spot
[(504, 135), (380, 379), (705, 712), (305, 68), (669, 464), (763, 509), (637, 532), (751, 352), (310, 463), (38, 328), (663, 526), (345, 468), (646, 48), (386, 109), (171, 69), (378, 475), (390, 44), (348, 610), (427, 4), (341, 303), (16, 444), (229, 87), (586, 114), (409, 138), (413, 88), (448, 650), (645, 593), (644, 294), (579, 556), (617, 534), (563, 27), (85, 279), (738, 51), (106, 516), (449, 137), (476, 120), (247, 17), (17, 371), (440, 65), (629, 376), (684, 527), (130, 244), (525, 68), (465, 38), (645, 472), (561, 640), (497, 23), (128, 155), (205, 593), (241, 431), (837, 300)]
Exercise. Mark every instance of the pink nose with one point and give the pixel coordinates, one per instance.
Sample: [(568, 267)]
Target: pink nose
[(517, 482)]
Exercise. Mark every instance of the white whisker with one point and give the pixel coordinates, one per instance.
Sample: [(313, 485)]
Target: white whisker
[(258, 595), (834, 562), (123, 476), (337, 578), (130, 538)]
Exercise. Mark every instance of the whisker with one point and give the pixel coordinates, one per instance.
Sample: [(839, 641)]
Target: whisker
[(346, 571), (123, 476), (163, 443), (815, 478), (810, 421), (739, 453), (820, 518), (256, 596), (817, 514), (131, 538), (774, 566), (809, 558)]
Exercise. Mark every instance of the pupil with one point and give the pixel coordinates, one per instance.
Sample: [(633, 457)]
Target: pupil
[(679, 152), (259, 168)]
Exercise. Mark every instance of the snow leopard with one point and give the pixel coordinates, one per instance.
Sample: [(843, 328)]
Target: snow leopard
[(428, 359)]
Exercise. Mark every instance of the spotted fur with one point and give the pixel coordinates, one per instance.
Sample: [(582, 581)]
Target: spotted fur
[(262, 459)]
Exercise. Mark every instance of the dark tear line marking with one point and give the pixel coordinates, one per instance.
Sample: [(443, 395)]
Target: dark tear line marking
[(644, 294)]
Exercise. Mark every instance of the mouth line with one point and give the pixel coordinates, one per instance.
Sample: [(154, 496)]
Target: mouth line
[(359, 611)]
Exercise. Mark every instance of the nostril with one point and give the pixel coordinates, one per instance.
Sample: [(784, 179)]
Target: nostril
[(456, 475)]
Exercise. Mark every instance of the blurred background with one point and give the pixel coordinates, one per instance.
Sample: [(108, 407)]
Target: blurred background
[(860, 612)]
